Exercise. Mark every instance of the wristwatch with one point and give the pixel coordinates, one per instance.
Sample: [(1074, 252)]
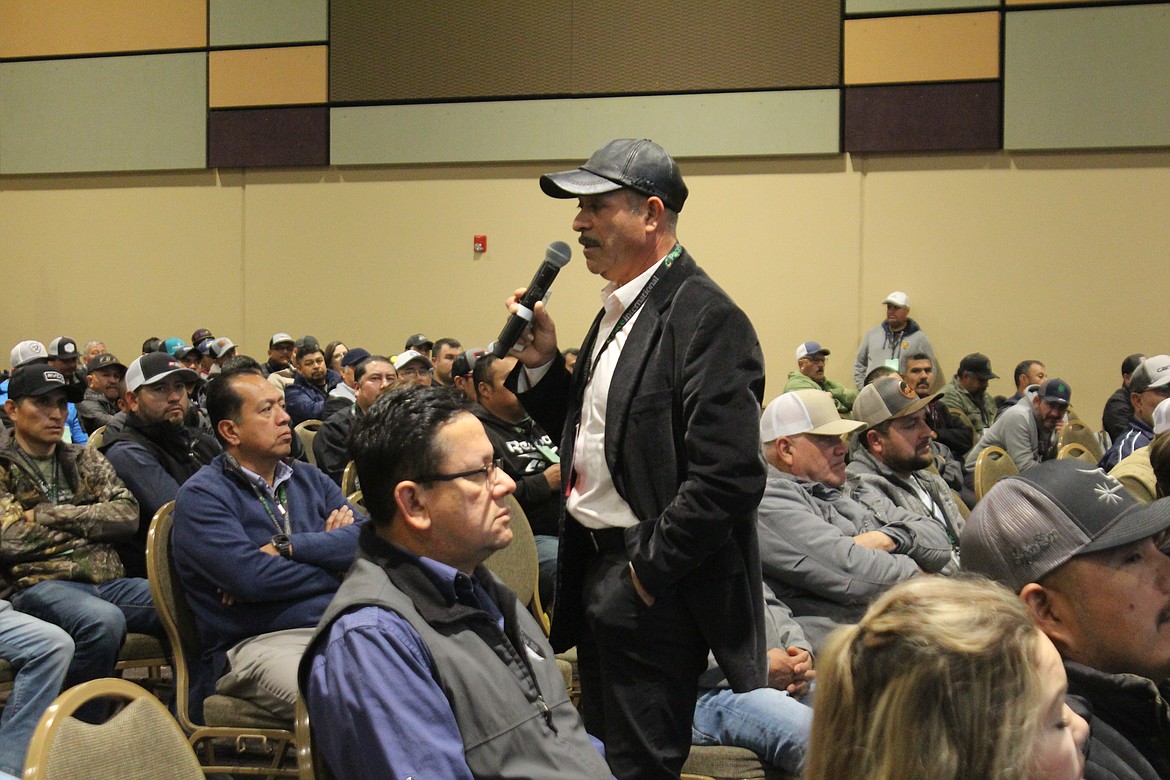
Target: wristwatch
[(283, 545)]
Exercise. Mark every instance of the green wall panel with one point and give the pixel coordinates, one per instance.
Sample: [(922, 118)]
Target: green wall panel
[(737, 124), (104, 114), (1087, 77), (255, 22)]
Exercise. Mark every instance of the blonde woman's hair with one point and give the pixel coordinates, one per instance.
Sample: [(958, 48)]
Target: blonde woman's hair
[(937, 682)]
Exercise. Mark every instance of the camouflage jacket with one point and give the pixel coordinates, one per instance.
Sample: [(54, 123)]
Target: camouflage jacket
[(62, 541)]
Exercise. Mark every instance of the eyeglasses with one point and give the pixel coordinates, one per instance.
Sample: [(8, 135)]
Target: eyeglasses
[(489, 473), (410, 371)]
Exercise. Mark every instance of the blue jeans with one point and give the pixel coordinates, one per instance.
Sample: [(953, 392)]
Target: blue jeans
[(98, 617), (767, 721), (546, 554), (39, 653)]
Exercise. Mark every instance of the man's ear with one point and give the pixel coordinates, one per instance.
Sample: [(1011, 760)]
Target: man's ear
[(411, 500), (784, 450), (655, 213), (227, 432), (1050, 610), (874, 440)]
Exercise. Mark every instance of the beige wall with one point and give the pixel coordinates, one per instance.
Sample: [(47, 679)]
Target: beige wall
[(1058, 257)]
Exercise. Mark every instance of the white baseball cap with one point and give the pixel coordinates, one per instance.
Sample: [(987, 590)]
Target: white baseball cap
[(898, 298), (804, 411), (27, 352)]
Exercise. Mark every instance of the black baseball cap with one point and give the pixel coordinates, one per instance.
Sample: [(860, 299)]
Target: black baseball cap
[(353, 357), (978, 364), (39, 379), (639, 164), (154, 367), (104, 360)]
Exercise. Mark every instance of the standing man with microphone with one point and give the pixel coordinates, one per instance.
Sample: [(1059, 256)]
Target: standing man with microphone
[(660, 462)]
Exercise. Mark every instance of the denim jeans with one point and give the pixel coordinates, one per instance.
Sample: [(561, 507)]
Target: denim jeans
[(39, 653), (767, 721), (98, 617), (546, 555)]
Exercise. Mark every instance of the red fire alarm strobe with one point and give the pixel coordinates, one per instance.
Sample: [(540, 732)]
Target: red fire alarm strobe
[(480, 243)]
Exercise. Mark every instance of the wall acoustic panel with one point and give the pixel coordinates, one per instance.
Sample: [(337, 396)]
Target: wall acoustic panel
[(923, 117), (266, 137), (49, 28), (443, 49), (257, 22), (940, 47), (144, 112), (266, 77), (729, 124), (902, 6), (693, 45), (1087, 77), (449, 50)]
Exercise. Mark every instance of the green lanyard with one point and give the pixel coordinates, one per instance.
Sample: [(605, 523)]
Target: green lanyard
[(632, 309), (49, 489), (280, 494)]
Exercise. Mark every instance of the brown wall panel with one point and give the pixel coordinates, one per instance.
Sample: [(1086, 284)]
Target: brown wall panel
[(926, 117), (619, 46), (267, 137), (447, 49)]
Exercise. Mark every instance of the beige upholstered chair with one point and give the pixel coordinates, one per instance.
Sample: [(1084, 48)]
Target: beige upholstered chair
[(307, 431), (96, 438), (226, 717), (728, 763), (349, 480), (1076, 432), (992, 465), (519, 567), (1078, 451), (140, 742)]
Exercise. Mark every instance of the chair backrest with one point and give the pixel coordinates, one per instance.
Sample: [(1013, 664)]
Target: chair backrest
[(170, 601), (310, 764), (96, 438), (518, 565), (307, 431), (349, 480), (960, 504), (1075, 432), (140, 742), (992, 465), (1077, 451)]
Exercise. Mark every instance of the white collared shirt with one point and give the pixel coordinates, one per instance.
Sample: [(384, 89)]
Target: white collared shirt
[(593, 500)]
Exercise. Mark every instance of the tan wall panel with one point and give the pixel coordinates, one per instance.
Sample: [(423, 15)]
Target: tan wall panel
[(45, 28), (121, 258), (943, 47), (268, 77), (989, 246)]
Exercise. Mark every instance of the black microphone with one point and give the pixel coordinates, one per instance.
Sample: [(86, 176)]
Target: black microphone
[(555, 258)]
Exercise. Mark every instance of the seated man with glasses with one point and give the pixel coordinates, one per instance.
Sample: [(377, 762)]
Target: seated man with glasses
[(260, 543), (414, 367), (810, 375), (424, 664), (1149, 385)]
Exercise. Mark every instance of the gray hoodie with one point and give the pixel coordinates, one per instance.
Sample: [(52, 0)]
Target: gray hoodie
[(811, 562)]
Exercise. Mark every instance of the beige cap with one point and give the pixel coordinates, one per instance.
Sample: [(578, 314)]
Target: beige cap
[(804, 411), (885, 399)]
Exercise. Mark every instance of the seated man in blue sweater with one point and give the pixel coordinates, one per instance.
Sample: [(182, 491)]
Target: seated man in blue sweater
[(260, 543)]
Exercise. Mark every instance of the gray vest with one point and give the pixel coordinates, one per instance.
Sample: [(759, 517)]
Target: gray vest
[(510, 705)]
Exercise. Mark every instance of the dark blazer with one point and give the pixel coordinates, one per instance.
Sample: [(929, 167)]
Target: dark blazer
[(682, 444)]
